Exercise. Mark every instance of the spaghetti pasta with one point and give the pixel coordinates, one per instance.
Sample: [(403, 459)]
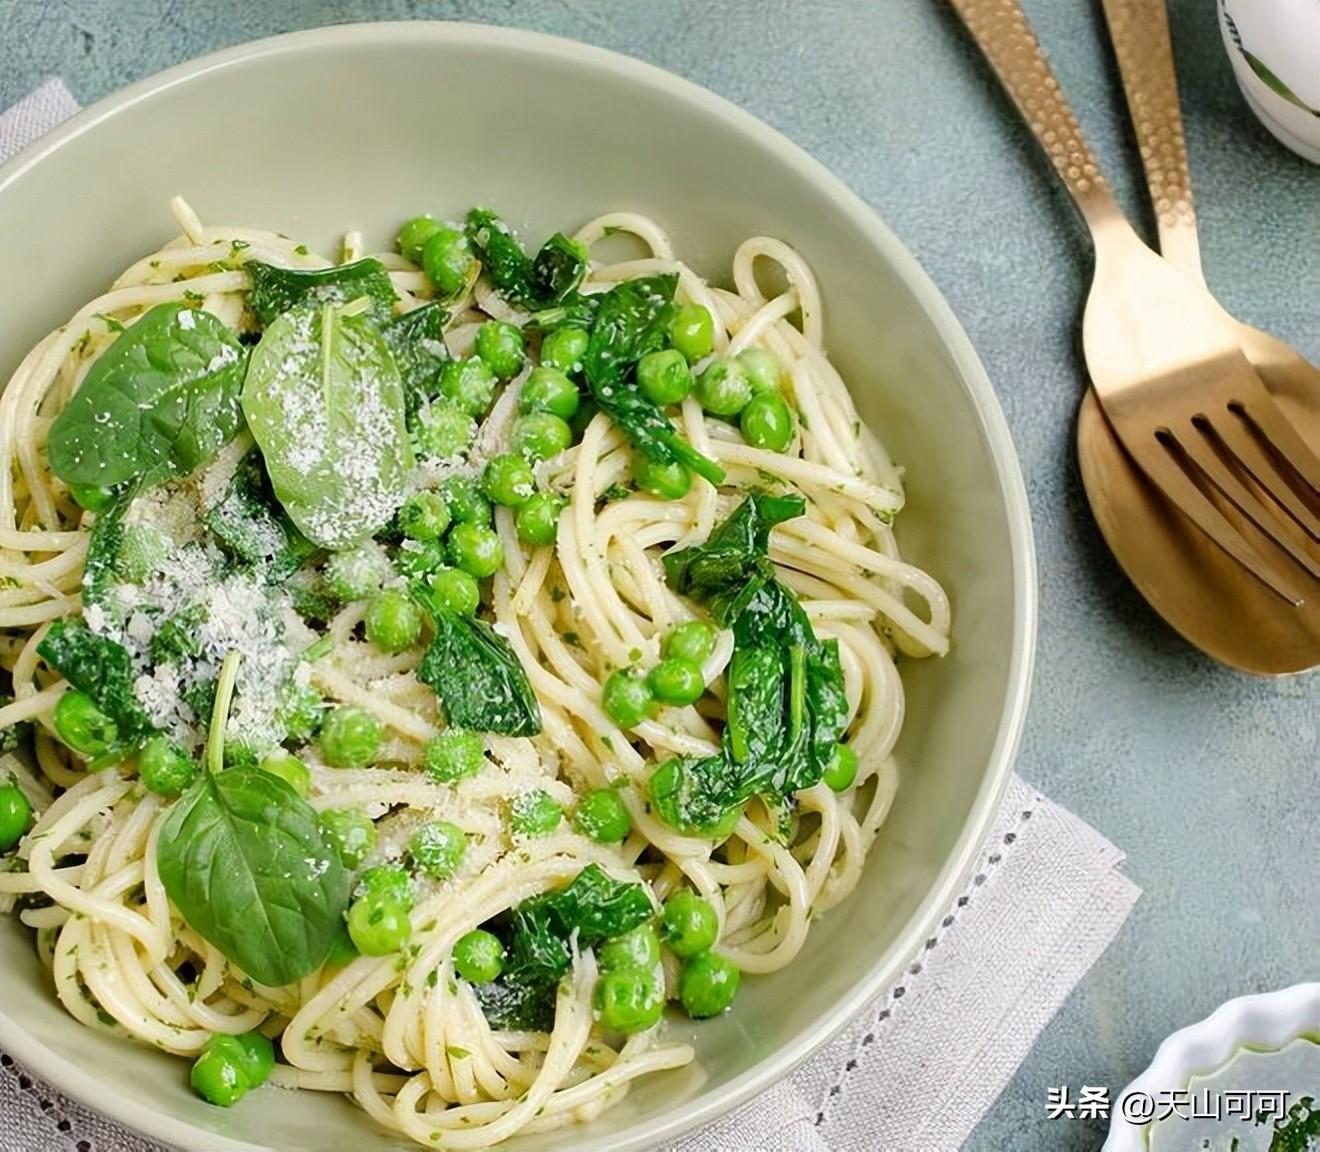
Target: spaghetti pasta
[(403, 1034)]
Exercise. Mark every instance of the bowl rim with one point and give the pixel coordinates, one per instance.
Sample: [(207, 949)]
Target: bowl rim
[(703, 1109)]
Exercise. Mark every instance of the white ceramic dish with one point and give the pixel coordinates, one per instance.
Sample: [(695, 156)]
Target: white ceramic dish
[(1268, 1020), (362, 126)]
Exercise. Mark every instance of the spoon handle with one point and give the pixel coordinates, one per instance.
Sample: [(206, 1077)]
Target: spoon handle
[(1001, 31), (1139, 30)]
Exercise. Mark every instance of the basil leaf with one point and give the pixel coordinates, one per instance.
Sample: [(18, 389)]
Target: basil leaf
[(632, 320), (477, 677), (277, 290), (162, 399), (242, 857), (103, 669), (417, 342), (324, 401)]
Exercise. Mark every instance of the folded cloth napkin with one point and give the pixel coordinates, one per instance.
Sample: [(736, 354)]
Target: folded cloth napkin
[(920, 1065)]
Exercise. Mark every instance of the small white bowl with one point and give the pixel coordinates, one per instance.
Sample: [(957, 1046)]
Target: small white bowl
[(1269, 1020), (1274, 46)]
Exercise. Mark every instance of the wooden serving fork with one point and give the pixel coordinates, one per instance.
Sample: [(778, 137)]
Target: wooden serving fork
[(1165, 359)]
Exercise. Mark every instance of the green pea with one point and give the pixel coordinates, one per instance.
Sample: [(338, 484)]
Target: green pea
[(301, 709), (603, 816), (393, 622), (663, 377), (688, 923), (438, 848), (764, 373), (290, 769), (668, 779), (15, 815), (447, 260), (478, 956), (165, 768), (668, 481), (83, 726), (628, 1000), (767, 423), (356, 573), (413, 236), (549, 390), (378, 927), (636, 949), (258, 1056), (92, 497), (500, 345), (508, 480), (217, 1075), (454, 755), (627, 698), (143, 549), (350, 737), (465, 500), (537, 521), (424, 517), (535, 813), (841, 770), (442, 430), (676, 681), (386, 882), (476, 549), (692, 332), (723, 388), (453, 590), (541, 435), (350, 833), (564, 348), (467, 384), (692, 640), (708, 985)]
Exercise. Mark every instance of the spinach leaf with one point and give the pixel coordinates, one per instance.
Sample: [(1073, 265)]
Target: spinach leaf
[(786, 701), (162, 399), (277, 290), (632, 320), (103, 548), (560, 266), (501, 256), (416, 340), (243, 859), (594, 905), (576, 311), (556, 272), (735, 549), (103, 669), (175, 639), (324, 400), (478, 679), (517, 1007), (251, 527)]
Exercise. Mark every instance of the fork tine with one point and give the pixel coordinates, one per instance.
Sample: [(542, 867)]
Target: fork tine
[(1203, 456), (1274, 426), (1241, 442), (1167, 474)]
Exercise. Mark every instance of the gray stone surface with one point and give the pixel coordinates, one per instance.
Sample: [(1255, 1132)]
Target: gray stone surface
[(1206, 778)]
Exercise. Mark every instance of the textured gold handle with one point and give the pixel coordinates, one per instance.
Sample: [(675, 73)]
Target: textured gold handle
[(1139, 30), (1001, 31)]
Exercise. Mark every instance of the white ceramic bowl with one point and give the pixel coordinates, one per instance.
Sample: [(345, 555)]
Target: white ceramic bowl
[(1266, 1021), (362, 126)]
